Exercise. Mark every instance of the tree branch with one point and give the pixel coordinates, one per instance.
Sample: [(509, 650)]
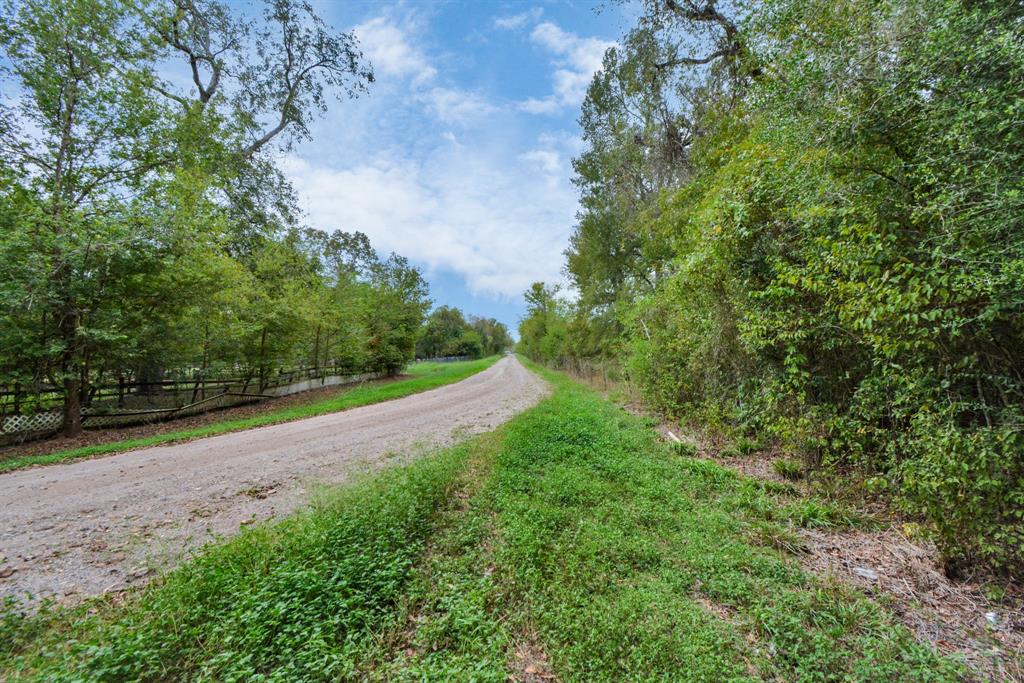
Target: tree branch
[(694, 61)]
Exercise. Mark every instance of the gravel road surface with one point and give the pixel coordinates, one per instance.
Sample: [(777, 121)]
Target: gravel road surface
[(95, 526)]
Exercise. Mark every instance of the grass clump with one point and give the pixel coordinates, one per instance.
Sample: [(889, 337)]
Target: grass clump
[(742, 447), (812, 513), (684, 449), (788, 469), (423, 376)]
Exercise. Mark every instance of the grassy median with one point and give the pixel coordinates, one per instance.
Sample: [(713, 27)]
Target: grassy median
[(570, 543), (421, 377)]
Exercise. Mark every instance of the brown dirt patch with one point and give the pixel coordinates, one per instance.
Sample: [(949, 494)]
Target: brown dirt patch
[(529, 663), (955, 617)]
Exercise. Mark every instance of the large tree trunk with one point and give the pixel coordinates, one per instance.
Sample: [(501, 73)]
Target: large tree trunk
[(316, 353), (263, 361), (72, 407), (71, 370)]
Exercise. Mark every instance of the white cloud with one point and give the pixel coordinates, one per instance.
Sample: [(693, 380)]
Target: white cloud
[(552, 158), (576, 60), (517, 21), (390, 44), (435, 170), (389, 49), (453, 105), (495, 221), (549, 163), (547, 160), (547, 105)]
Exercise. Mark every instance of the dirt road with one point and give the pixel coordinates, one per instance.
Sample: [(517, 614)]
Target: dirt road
[(100, 525)]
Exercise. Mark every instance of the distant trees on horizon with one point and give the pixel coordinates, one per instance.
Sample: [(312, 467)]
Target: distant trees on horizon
[(447, 332)]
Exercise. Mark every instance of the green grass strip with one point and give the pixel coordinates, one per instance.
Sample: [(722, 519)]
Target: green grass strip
[(631, 562), (424, 376), (614, 558), (451, 625)]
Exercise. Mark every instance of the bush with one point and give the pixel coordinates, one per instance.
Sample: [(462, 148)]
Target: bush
[(970, 485), (684, 449)]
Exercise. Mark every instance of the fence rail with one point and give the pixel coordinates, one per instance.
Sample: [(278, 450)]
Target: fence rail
[(18, 399), (128, 403)]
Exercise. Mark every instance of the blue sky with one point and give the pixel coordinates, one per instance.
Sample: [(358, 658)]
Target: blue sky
[(460, 156)]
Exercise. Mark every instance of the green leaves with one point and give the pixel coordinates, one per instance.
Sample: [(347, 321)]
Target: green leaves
[(143, 229), (838, 250)]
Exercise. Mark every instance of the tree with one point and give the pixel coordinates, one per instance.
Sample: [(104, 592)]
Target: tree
[(494, 336), (82, 138), (448, 333), (440, 335), (394, 307), (542, 331), (284, 70), (125, 194)]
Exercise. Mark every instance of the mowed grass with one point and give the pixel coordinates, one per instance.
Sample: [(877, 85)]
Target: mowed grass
[(422, 377), (570, 542)]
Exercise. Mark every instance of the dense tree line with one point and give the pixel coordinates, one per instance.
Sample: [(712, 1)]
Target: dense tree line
[(448, 333), (143, 223), (804, 219)]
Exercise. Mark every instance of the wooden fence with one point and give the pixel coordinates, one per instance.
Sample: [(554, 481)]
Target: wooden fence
[(29, 415)]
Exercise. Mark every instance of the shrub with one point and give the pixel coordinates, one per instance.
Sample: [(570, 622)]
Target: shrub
[(970, 485)]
